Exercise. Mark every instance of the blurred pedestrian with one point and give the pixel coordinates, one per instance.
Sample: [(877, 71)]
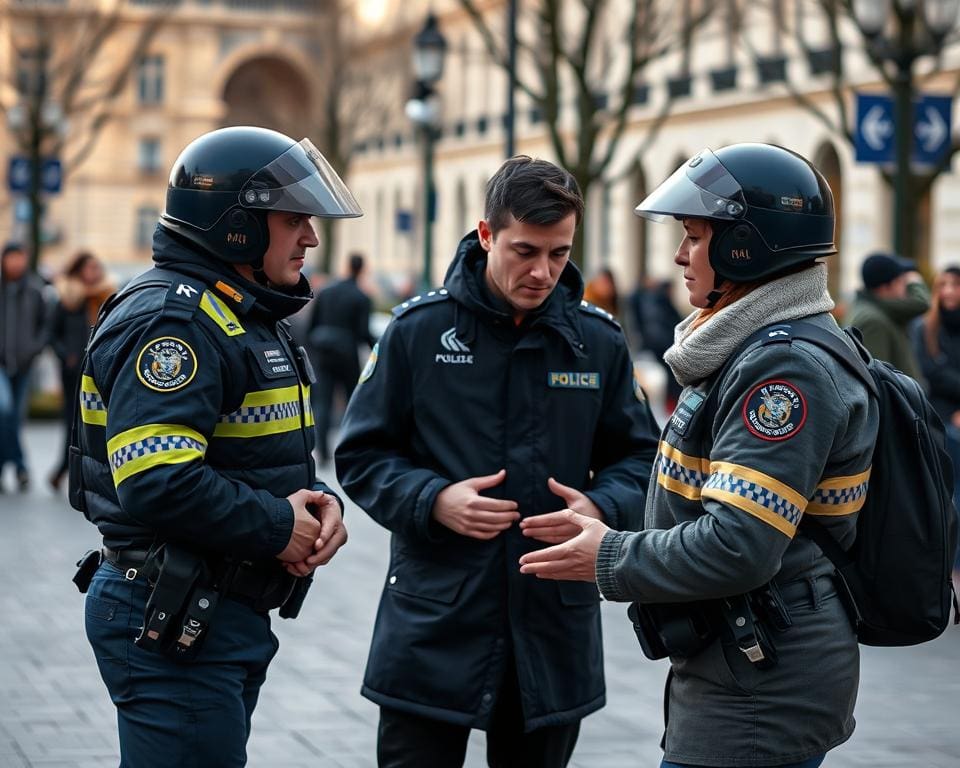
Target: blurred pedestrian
[(82, 289), (654, 318), (602, 291), (24, 315), (339, 324), (893, 295), (764, 662), (936, 342), (497, 396)]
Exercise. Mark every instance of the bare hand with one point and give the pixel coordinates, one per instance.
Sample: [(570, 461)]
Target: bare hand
[(955, 420), (574, 560), (306, 528), (562, 530), (462, 509), (333, 535)]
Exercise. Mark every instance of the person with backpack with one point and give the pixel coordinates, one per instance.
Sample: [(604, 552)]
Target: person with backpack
[(764, 656)]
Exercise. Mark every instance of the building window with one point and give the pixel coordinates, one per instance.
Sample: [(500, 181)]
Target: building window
[(147, 217), (150, 80), (31, 73), (148, 155)]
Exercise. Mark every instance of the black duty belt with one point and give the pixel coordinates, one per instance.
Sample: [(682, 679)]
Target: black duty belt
[(252, 583)]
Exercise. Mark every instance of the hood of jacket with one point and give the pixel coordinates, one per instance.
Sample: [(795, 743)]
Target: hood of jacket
[(466, 283), (171, 252)]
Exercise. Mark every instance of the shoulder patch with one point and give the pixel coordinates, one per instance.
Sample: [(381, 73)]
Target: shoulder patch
[(368, 369), (221, 314), (774, 410), (431, 297), (166, 364), (592, 309), (182, 299)]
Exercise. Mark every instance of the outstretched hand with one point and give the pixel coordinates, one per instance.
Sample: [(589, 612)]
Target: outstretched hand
[(574, 559), (560, 530)]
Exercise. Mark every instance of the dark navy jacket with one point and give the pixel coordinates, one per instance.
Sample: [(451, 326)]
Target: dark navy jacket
[(196, 420), (455, 390)]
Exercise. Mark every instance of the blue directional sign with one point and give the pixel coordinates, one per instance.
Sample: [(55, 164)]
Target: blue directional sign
[(404, 221), (875, 137), (51, 174)]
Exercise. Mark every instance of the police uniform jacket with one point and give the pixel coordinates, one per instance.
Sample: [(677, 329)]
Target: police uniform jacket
[(792, 433), (196, 419), (455, 390)]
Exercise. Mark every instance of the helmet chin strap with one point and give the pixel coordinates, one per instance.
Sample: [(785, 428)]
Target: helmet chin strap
[(714, 296)]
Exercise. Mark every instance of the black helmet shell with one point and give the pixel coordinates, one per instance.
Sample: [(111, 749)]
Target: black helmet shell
[(224, 182), (771, 209)]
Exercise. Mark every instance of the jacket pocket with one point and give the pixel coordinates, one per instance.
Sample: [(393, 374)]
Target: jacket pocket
[(428, 581)]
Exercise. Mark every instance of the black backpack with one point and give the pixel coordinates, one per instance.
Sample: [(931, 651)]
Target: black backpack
[(895, 579)]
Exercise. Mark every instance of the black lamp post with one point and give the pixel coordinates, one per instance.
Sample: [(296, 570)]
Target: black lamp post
[(917, 28), (423, 108)]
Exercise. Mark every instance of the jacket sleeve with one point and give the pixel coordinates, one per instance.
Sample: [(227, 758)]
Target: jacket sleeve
[(373, 457), (624, 447), (162, 408), (941, 374), (57, 330), (757, 486)]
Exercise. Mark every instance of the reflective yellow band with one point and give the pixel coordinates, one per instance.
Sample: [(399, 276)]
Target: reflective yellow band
[(679, 473), (757, 494), (151, 445), (92, 408), (838, 496), (221, 314), (267, 412)]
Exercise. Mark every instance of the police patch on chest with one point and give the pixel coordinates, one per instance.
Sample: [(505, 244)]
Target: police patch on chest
[(775, 410), (166, 364), (273, 360), (573, 379)]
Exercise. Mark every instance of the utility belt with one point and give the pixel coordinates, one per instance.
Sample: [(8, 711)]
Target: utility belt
[(685, 629), (186, 589)]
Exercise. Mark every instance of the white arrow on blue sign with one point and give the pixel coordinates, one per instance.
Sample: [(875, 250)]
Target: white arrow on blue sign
[(875, 137)]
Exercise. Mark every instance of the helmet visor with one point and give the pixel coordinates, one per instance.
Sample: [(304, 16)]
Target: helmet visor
[(300, 181), (700, 188)]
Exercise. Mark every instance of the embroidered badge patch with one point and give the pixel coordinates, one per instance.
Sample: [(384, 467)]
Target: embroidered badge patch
[(166, 364), (573, 380), (775, 410), (367, 371)]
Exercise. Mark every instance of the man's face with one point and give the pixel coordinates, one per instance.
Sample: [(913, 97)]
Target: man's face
[(14, 265), (524, 261), (290, 236)]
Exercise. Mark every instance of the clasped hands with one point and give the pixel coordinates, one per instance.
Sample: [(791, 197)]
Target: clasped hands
[(575, 532), (318, 532)]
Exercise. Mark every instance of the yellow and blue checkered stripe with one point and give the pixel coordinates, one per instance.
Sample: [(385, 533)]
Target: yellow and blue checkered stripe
[(837, 496), (267, 412), (141, 448), (92, 408), (680, 473), (757, 494)]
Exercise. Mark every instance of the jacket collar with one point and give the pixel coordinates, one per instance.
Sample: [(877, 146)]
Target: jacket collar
[(466, 283), (179, 255)]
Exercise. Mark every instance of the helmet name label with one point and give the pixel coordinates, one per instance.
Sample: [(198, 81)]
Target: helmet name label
[(236, 238), (740, 254)]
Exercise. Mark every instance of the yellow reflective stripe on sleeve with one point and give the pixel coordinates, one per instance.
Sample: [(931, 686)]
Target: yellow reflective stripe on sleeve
[(680, 473), (266, 412), (757, 494), (152, 445), (838, 496), (221, 314), (92, 408)]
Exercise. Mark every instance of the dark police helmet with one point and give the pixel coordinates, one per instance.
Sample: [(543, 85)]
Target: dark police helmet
[(770, 209), (225, 182)]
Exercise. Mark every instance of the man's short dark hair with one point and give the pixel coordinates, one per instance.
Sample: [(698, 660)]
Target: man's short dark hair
[(356, 264), (533, 191), (12, 247)]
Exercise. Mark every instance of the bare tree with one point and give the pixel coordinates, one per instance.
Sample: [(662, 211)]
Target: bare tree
[(70, 65), (893, 63), (566, 59)]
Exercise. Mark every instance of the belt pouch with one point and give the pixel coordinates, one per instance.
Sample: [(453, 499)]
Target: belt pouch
[(162, 622), (672, 629)]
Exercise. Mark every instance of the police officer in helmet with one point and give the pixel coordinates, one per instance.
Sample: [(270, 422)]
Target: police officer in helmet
[(770, 428), (194, 456)]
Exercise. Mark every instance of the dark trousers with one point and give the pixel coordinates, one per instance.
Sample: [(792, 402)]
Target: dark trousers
[(169, 713), (410, 741), (343, 378), (13, 406)]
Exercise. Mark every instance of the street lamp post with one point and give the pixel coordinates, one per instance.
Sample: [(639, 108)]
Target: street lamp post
[(423, 109), (920, 27)]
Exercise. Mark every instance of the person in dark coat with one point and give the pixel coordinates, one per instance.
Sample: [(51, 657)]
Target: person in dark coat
[(655, 317), (81, 291), (498, 396), (23, 333), (339, 324)]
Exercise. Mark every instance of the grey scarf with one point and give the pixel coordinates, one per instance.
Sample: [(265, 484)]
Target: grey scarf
[(697, 353)]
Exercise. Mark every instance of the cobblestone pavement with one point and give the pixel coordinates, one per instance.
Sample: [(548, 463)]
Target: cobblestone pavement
[(54, 711)]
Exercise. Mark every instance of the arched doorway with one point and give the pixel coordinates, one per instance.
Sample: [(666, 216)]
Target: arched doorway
[(827, 162), (269, 92)]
